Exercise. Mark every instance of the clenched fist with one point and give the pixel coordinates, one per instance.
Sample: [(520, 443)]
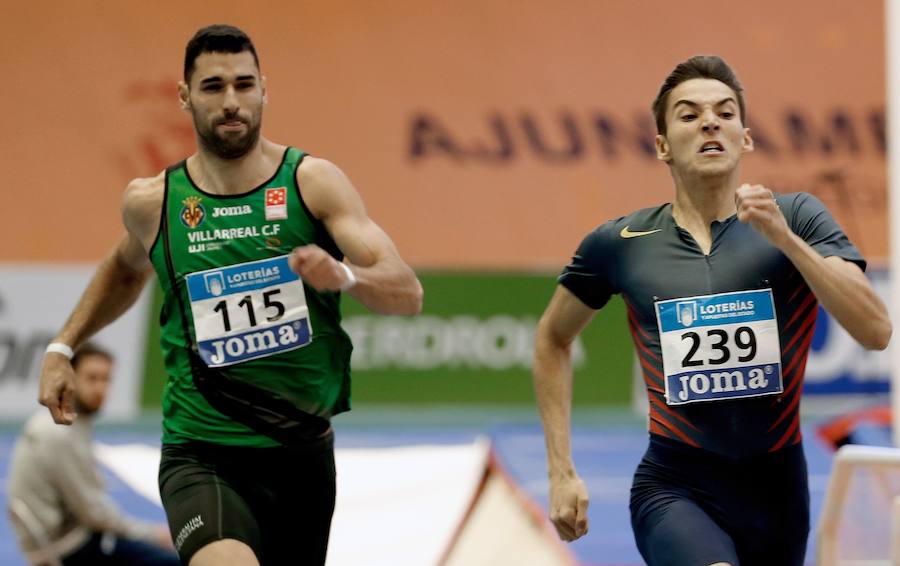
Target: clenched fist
[(568, 507), (57, 388), (756, 205), (319, 269)]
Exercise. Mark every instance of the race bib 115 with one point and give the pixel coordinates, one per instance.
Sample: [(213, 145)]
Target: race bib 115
[(248, 311)]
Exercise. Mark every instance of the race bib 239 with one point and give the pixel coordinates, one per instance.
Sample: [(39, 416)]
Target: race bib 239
[(722, 346)]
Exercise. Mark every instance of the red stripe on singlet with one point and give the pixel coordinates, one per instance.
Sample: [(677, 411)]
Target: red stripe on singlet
[(643, 347), (646, 364), (798, 289), (806, 326), (794, 390), (788, 409), (800, 354), (810, 298), (662, 405), (654, 427), (681, 436), (636, 328), (790, 432), (637, 332), (648, 379)]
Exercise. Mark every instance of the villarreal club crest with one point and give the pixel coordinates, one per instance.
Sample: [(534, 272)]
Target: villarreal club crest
[(193, 213)]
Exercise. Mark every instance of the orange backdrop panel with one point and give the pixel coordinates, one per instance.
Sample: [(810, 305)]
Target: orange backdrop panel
[(481, 134)]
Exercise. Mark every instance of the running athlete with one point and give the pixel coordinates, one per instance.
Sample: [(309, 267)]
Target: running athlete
[(248, 240), (721, 288)]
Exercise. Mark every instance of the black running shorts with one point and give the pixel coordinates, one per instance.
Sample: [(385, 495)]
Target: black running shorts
[(279, 501)]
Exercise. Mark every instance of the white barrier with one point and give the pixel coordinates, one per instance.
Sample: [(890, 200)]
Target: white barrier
[(408, 506)]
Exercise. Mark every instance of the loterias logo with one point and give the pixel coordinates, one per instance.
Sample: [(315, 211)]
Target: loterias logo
[(686, 312), (192, 213)]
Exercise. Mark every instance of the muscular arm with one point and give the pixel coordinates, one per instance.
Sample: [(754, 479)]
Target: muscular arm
[(845, 292), (115, 286), (839, 284), (385, 283), (564, 319)]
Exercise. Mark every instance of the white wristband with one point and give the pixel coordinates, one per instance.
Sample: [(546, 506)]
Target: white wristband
[(60, 348), (351, 279)]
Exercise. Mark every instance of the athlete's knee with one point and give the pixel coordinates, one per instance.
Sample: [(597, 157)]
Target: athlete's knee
[(225, 552)]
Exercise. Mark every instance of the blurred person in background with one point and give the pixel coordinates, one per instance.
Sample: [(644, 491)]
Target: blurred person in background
[(60, 510), (248, 239), (721, 288)]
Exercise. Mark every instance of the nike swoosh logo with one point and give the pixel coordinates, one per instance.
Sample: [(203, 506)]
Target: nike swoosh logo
[(626, 233)]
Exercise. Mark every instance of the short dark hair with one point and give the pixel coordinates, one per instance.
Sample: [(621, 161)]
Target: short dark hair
[(697, 67), (87, 350), (217, 38)]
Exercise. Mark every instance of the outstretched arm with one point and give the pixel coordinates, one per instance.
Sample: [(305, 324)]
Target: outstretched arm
[(385, 284), (561, 323), (839, 284), (115, 286)]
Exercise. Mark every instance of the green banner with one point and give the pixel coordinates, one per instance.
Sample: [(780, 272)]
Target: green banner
[(472, 344)]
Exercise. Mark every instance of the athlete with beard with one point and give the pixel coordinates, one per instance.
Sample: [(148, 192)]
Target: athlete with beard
[(253, 243), (721, 288)]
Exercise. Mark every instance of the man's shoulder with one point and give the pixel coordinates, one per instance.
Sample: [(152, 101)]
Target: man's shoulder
[(640, 221), (325, 188), (143, 199), (800, 209), (317, 169), (40, 427), (644, 219), (792, 201), (145, 188)]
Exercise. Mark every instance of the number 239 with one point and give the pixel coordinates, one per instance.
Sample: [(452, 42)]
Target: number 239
[(744, 339)]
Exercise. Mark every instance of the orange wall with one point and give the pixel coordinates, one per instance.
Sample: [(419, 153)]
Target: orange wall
[(89, 102)]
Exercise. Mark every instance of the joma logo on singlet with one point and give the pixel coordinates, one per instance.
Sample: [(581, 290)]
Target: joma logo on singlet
[(232, 211), (721, 383), (252, 343)]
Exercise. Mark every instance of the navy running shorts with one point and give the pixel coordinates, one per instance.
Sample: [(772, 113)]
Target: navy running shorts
[(691, 507)]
